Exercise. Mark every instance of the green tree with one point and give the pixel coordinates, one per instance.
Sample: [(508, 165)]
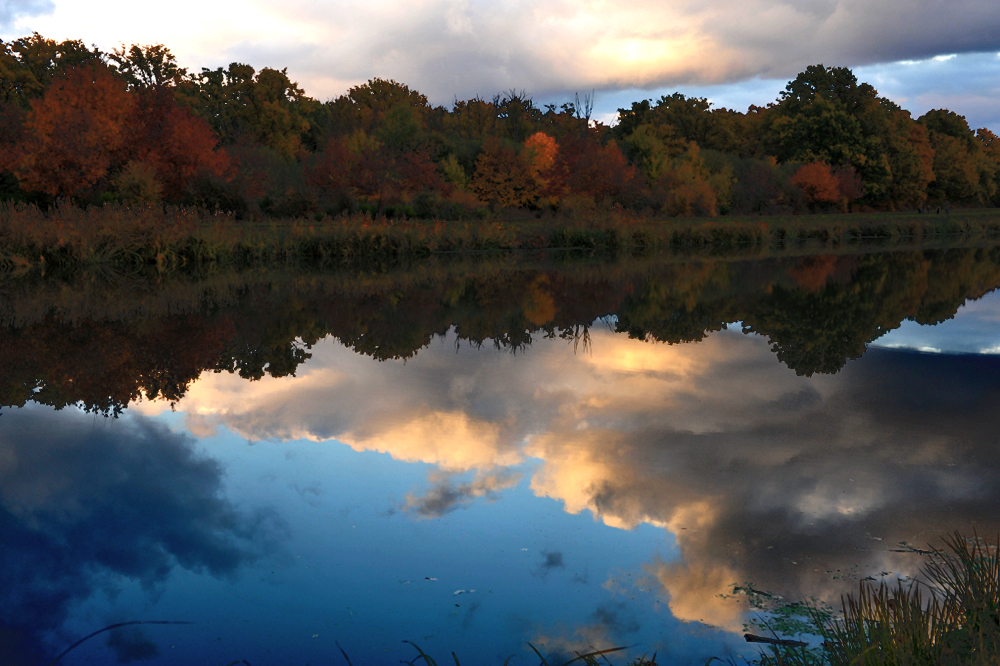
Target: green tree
[(242, 105), (151, 66), (28, 65)]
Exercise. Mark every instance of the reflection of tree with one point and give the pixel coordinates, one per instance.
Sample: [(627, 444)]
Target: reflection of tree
[(818, 312)]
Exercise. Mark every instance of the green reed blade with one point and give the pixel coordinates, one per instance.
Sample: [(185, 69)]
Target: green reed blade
[(426, 657), (544, 663), (346, 658), (591, 655)]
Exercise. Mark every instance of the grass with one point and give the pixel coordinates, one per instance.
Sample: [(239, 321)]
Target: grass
[(951, 617), (175, 239)]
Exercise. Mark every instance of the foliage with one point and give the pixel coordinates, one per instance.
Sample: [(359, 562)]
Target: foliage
[(139, 105)]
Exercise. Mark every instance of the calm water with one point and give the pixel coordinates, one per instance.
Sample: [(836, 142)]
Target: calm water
[(577, 456)]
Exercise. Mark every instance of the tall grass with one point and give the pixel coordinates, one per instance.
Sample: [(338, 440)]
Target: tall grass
[(177, 239), (951, 617)]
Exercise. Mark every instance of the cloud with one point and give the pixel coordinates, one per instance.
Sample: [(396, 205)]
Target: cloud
[(12, 10), (792, 483), (448, 48), (80, 502), (550, 561), (445, 496)]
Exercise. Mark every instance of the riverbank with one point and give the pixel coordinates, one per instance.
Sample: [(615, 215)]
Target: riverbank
[(173, 239)]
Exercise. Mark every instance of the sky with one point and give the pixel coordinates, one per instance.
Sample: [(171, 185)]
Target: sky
[(922, 54)]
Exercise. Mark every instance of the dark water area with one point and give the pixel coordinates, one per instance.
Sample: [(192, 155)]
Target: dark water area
[(477, 455)]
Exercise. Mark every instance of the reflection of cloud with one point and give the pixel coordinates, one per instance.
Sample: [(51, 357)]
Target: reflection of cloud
[(550, 561), (761, 475), (696, 592), (450, 440), (444, 497), (79, 501)]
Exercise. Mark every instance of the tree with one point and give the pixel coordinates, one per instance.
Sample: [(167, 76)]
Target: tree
[(75, 133), (172, 140), (837, 85), (818, 183), (243, 105), (151, 66), (29, 64), (599, 171), (962, 171), (502, 177)]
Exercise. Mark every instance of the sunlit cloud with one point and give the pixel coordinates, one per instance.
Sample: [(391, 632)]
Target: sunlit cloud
[(449, 48)]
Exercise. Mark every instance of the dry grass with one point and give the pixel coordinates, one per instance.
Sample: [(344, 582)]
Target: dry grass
[(173, 239)]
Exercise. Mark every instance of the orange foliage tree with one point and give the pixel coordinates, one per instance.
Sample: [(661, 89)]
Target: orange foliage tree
[(502, 176), (75, 132), (817, 182)]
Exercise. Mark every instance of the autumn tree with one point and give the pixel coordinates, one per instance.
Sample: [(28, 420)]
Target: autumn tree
[(473, 119), (168, 137), (599, 171), (540, 151), (75, 133), (29, 64), (502, 177), (818, 183), (961, 169)]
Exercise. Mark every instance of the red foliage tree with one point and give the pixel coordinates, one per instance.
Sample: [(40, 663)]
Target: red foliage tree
[(170, 138), (817, 182), (598, 171), (75, 132)]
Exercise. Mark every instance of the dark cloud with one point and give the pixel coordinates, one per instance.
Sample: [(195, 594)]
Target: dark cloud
[(448, 48), (550, 561), (83, 501), (616, 618), (445, 496), (901, 449), (131, 644)]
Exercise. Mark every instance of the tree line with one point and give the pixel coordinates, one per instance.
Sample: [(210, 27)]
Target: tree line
[(133, 126)]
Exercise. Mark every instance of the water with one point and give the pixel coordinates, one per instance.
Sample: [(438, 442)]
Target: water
[(473, 462)]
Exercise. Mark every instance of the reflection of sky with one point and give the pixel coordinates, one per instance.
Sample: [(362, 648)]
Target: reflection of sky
[(591, 498), (975, 329)]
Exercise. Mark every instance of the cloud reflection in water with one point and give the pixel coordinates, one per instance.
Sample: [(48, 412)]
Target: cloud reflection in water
[(762, 475), (86, 502)]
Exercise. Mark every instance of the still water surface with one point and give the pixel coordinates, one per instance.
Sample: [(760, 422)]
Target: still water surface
[(578, 492)]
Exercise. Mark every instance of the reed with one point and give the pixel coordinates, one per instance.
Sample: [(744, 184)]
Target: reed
[(952, 617)]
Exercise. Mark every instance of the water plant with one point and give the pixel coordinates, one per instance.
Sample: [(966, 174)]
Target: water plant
[(951, 617)]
